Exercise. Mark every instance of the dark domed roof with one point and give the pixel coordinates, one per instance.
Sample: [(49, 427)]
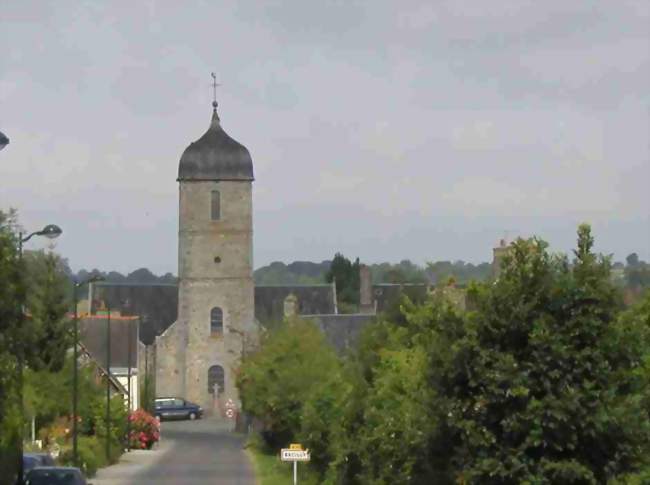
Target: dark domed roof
[(215, 156)]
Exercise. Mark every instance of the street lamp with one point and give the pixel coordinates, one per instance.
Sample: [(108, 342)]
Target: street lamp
[(4, 141), (108, 385), (50, 231), (75, 384)]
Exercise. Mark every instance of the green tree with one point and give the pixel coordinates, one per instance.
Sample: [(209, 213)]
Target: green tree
[(47, 304), (346, 275), (276, 381), (12, 293), (537, 396), (393, 428)]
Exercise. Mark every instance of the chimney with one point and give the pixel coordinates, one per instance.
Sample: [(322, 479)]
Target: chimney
[(290, 306), (497, 256), (366, 304)]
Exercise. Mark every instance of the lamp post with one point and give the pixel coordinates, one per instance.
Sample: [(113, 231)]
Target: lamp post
[(128, 383), (108, 385), (51, 231), (75, 371), (4, 141)]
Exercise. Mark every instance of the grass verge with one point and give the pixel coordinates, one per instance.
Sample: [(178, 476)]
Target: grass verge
[(269, 470)]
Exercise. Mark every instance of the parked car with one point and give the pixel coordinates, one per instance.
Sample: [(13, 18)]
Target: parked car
[(32, 460), (55, 475), (177, 408)]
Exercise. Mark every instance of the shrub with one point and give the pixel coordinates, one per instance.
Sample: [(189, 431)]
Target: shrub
[(92, 455), (145, 430)]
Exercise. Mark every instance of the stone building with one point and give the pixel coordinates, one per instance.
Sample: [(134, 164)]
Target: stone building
[(197, 355), (126, 350)]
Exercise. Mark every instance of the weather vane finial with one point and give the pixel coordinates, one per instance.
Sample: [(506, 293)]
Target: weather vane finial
[(214, 90)]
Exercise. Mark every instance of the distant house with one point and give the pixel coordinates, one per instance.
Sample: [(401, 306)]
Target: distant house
[(125, 349)]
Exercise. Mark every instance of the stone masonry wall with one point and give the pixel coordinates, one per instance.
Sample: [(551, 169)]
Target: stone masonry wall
[(215, 270)]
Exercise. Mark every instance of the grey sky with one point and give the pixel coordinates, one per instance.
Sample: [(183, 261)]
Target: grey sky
[(385, 130)]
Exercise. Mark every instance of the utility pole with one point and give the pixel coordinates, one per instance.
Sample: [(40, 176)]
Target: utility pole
[(108, 385), (128, 382)]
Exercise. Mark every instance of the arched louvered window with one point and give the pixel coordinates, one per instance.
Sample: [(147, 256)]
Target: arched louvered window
[(216, 322), (216, 378), (215, 205)]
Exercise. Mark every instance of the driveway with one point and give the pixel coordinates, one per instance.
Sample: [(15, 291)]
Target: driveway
[(191, 453)]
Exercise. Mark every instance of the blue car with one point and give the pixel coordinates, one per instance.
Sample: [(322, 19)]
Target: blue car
[(32, 460), (50, 475), (177, 408)]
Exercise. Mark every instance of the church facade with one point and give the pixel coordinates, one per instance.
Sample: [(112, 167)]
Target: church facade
[(196, 357)]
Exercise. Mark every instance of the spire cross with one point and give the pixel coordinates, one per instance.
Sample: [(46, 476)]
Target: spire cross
[(214, 89)]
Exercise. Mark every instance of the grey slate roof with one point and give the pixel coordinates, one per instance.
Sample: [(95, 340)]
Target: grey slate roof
[(386, 294), (342, 331), (312, 299), (157, 304), (215, 156), (93, 335)]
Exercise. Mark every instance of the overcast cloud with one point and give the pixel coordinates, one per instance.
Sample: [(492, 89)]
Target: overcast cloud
[(385, 130)]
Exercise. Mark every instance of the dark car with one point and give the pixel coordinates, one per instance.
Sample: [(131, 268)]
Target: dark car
[(177, 408), (32, 460), (55, 475)]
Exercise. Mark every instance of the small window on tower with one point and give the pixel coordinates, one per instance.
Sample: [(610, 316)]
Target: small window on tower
[(215, 206), (216, 322)]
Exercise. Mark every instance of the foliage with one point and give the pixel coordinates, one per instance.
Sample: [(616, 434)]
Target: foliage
[(147, 393), (346, 275), (50, 329), (296, 273), (278, 379), (637, 272), (545, 380), (144, 431), (537, 394), (307, 273), (48, 398), (48, 395), (92, 455), (116, 425), (12, 293)]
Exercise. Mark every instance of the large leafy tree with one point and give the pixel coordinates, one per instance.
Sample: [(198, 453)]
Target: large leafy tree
[(33, 327), (47, 304), (11, 295), (277, 381), (537, 389)]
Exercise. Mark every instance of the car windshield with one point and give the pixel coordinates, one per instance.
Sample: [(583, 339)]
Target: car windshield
[(52, 477)]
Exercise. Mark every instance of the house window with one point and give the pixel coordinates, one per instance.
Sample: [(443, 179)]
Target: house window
[(215, 205), (216, 322), (216, 379)]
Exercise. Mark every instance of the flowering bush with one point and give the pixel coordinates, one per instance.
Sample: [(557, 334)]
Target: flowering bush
[(145, 430)]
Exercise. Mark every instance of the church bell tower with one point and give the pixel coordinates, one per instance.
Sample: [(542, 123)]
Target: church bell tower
[(215, 265)]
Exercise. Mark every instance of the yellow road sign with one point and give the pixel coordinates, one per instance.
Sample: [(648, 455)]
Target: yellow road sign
[(295, 446)]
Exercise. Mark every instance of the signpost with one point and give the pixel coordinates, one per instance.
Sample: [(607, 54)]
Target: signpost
[(230, 409), (294, 453)]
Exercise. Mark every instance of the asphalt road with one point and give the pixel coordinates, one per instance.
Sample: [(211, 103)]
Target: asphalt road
[(192, 453)]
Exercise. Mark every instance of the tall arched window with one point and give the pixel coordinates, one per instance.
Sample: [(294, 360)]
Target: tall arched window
[(216, 378), (216, 322), (215, 205)]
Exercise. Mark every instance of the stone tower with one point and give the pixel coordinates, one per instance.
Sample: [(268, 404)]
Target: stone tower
[(198, 355)]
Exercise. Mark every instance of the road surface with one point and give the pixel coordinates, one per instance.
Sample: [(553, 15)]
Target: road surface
[(201, 452)]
